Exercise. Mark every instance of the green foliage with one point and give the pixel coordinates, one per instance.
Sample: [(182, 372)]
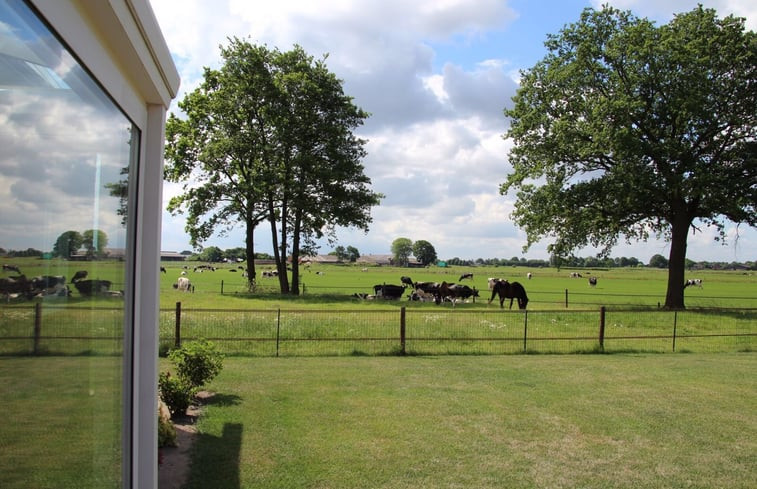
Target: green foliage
[(197, 362), (211, 254), (268, 137), (424, 252), (67, 244), (94, 241), (402, 248), (176, 392), (632, 130)]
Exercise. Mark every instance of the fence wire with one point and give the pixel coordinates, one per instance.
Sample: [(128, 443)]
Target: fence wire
[(74, 331)]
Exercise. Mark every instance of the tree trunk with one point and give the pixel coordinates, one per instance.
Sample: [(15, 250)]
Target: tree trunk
[(275, 243), (296, 253), (677, 263), (281, 266), (250, 254)]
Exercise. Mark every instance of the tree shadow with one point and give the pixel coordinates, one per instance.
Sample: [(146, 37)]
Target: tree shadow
[(215, 459), (223, 400)]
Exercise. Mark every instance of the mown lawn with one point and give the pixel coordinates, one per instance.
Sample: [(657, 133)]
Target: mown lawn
[(557, 421)]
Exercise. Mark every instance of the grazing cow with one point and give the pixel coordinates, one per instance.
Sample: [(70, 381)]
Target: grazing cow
[(507, 290), (270, 273), (184, 285), (407, 281), (693, 281), (575, 275), (92, 287), (465, 275), (428, 287), (452, 292), (81, 274), (163, 270), (529, 275), (11, 268), (593, 281), (389, 292)]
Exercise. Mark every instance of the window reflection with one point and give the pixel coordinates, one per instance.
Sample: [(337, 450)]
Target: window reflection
[(65, 156)]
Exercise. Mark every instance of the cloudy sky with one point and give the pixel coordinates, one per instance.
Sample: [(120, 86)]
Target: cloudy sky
[(435, 75)]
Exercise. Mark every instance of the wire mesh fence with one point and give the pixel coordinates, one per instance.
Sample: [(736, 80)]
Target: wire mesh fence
[(392, 331)]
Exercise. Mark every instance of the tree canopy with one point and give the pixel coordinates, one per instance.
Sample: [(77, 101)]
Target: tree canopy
[(424, 252), (268, 137), (67, 244), (402, 248), (629, 130)]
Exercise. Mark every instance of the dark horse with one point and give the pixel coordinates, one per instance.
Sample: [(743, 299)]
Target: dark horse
[(507, 290)]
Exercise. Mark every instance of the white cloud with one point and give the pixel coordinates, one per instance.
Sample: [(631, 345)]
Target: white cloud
[(434, 137)]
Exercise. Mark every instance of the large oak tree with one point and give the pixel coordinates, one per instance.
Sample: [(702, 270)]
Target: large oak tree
[(630, 130), (268, 137)]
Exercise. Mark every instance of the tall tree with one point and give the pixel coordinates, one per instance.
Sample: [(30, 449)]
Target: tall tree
[(220, 149), (402, 248), (424, 252), (322, 184), (94, 241), (268, 136), (67, 244), (628, 129), (352, 254)]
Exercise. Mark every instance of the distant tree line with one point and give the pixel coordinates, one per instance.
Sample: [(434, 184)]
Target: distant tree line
[(656, 261)]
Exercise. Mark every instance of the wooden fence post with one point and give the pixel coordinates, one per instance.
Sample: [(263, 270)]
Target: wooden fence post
[(602, 328), (566, 298), (37, 326), (221, 287), (402, 331), (525, 329), (177, 326), (675, 325), (278, 330)]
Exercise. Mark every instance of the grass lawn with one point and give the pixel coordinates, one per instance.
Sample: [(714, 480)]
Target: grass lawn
[(555, 421)]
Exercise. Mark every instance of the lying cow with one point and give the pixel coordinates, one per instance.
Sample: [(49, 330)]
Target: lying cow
[(693, 281), (92, 287)]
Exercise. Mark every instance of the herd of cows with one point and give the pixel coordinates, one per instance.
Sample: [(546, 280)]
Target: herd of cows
[(449, 292), (20, 286)]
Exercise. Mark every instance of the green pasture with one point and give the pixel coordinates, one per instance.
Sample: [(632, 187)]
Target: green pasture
[(334, 285), (63, 422), (327, 320), (620, 421)]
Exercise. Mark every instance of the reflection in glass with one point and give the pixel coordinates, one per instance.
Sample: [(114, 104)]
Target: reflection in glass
[(65, 155)]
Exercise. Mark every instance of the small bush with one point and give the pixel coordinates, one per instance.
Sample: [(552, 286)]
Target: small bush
[(197, 362), (175, 392), (166, 433)]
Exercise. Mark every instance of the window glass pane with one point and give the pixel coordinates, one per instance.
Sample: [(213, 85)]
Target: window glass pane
[(66, 152)]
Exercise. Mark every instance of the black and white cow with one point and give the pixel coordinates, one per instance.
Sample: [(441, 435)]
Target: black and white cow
[(407, 281), (388, 291), (81, 274), (465, 275), (693, 281), (92, 287), (184, 285), (11, 268)]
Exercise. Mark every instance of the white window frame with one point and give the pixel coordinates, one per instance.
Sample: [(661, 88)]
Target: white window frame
[(120, 43)]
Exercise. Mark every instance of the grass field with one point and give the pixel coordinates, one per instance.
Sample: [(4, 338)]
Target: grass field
[(335, 285), (620, 421)]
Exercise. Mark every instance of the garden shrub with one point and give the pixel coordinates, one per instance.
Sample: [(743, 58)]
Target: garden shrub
[(197, 362), (166, 433), (175, 392)]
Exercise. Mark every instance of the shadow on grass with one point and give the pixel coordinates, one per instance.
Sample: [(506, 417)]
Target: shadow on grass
[(215, 459), (223, 400)]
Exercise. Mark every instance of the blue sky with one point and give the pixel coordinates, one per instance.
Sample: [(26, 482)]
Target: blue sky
[(435, 75)]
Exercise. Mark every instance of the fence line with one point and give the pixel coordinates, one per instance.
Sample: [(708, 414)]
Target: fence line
[(37, 330)]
